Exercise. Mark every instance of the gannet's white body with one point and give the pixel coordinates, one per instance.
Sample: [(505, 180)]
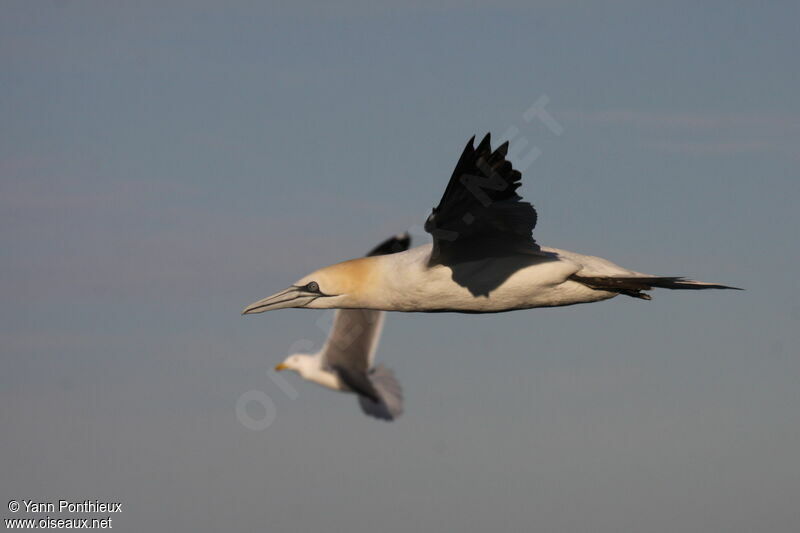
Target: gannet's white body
[(405, 282), (483, 259)]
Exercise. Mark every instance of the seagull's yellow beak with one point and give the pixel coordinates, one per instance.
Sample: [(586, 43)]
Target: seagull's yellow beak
[(281, 366)]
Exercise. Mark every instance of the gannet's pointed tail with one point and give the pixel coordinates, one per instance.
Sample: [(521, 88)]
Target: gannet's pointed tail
[(389, 391), (633, 286)]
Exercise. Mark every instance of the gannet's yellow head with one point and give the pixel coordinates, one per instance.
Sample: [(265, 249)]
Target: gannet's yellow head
[(343, 285)]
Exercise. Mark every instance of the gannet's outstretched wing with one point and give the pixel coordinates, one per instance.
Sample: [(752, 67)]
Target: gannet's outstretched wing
[(480, 211)]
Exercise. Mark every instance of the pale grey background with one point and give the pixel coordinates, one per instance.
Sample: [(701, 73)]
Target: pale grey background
[(164, 163)]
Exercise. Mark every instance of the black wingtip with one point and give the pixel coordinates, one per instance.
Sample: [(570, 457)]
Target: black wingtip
[(502, 150), (392, 245), (401, 242), (486, 144)]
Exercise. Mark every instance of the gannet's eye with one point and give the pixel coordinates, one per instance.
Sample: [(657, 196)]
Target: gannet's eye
[(312, 287)]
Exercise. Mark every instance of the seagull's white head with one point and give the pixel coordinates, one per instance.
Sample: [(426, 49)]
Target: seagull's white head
[(303, 364), (351, 284)]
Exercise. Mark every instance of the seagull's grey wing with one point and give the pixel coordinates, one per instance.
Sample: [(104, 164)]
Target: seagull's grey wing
[(389, 391), (350, 346), (355, 333), (353, 339), (349, 353), (480, 213)]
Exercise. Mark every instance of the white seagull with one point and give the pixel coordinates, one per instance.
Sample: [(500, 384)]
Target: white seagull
[(483, 258), (345, 363)]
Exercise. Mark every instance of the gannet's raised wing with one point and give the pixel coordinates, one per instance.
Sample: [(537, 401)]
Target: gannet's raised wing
[(480, 212)]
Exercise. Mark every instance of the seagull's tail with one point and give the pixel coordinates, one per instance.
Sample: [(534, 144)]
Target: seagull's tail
[(389, 391), (632, 286)]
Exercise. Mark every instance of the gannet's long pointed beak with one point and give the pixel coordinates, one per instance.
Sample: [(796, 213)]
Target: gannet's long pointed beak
[(291, 297)]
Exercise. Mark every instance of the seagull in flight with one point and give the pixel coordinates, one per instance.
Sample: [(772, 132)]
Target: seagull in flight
[(483, 258), (346, 362)]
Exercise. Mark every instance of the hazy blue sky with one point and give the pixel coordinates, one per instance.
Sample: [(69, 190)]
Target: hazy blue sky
[(162, 164)]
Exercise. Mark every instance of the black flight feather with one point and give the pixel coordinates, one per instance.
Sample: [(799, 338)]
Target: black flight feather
[(480, 212)]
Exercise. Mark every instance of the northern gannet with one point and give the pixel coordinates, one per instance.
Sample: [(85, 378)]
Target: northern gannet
[(483, 258), (345, 362)]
